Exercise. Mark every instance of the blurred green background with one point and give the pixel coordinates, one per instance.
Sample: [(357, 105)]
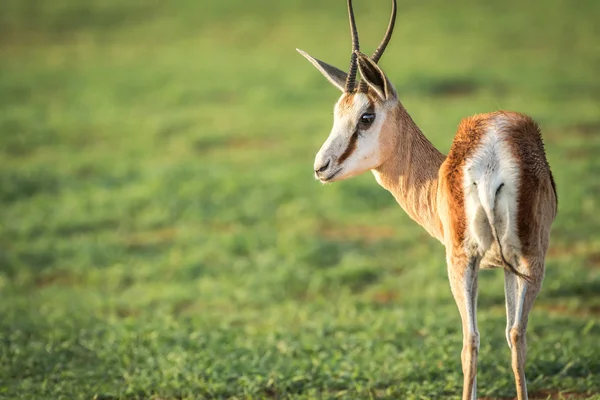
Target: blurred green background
[(162, 236)]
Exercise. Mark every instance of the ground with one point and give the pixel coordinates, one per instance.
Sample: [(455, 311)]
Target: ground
[(162, 236)]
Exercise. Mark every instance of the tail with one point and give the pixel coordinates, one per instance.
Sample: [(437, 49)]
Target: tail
[(490, 210)]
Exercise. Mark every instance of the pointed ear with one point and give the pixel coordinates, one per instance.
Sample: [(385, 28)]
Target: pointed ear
[(375, 78), (333, 74)]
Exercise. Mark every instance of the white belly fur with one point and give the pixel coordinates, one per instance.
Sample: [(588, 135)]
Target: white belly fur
[(492, 166)]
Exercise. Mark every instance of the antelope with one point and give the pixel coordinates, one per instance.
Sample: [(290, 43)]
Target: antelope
[(491, 201)]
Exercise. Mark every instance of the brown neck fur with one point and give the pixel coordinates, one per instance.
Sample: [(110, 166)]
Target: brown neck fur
[(410, 173)]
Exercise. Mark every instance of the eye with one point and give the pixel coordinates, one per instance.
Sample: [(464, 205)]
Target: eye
[(367, 119)]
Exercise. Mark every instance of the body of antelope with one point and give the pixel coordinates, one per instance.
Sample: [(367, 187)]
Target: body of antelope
[(491, 201)]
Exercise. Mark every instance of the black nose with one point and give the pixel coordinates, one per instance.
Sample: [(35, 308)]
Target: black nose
[(324, 167)]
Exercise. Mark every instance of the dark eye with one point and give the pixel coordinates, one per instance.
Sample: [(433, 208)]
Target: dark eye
[(367, 119)]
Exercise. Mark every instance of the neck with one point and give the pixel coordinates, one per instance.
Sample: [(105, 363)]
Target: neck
[(411, 173)]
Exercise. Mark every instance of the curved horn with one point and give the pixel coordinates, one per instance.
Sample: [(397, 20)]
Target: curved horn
[(388, 35), (351, 78)]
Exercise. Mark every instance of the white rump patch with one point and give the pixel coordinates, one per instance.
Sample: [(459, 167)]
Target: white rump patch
[(491, 167)]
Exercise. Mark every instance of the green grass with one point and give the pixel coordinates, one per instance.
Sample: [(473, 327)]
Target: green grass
[(162, 237)]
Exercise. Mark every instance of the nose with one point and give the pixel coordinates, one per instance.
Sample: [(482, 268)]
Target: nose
[(322, 168)]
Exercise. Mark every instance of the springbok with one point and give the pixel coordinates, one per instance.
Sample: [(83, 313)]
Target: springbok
[(491, 201)]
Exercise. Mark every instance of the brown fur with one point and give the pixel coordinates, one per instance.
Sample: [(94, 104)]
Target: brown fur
[(346, 102), (537, 201), (410, 170), (469, 135)]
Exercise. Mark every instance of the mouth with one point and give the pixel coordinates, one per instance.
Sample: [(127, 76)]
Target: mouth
[(330, 177)]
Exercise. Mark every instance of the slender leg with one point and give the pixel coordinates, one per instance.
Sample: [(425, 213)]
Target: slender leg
[(526, 293), (463, 273), (510, 294)]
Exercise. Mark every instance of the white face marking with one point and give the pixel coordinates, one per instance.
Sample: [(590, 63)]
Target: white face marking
[(492, 165), (365, 156)]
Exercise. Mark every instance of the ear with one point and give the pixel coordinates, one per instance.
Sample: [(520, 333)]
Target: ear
[(375, 78), (333, 74)]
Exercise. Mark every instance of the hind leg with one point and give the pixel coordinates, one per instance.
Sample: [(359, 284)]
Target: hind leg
[(463, 272), (510, 295), (519, 301)]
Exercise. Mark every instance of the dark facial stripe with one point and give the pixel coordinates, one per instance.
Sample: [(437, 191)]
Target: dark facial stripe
[(351, 147)]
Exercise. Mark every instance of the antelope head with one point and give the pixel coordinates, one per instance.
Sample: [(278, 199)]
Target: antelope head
[(363, 129)]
